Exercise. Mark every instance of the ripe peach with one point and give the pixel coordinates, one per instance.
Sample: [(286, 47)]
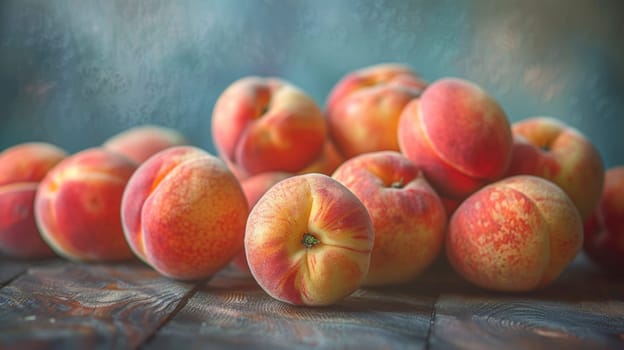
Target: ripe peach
[(267, 124), (21, 169), (77, 206), (604, 230), (141, 142), (551, 149), (364, 107), (516, 234), (184, 212), (458, 135), (408, 217), (308, 240)]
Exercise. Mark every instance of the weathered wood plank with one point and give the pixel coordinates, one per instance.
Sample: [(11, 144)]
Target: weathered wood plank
[(518, 323), (584, 309), (10, 268), (233, 312), (71, 305)]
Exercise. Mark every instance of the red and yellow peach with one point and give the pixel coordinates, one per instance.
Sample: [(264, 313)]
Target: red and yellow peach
[(184, 213), (78, 203), (408, 217), (267, 124), (549, 148), (517, 234), (364, 107), (22, 167), (458, 135), (308, 241)]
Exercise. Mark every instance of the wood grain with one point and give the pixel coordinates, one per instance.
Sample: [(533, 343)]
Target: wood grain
[(233, 312), (9, 269), (583, 309), (70, 305), (518, 323), (60, 304)]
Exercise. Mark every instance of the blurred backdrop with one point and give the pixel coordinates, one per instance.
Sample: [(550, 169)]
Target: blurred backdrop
[(75, 72)]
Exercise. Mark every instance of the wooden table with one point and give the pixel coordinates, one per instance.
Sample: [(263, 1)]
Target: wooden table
[(60, 304)]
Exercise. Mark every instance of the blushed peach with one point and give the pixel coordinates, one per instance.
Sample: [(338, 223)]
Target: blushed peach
[(458, 135), (21, 169), (549, 148), (516, 234), (408, 216), (364, 107), (308, 241), (78, 202), (604, 229), (184, 213), (267, 124)]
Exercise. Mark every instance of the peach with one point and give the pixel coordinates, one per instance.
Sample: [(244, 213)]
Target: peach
[(21, 169), (267, 124), (604, 230), (458, 135), (141, 142), (549, 148), (408, 217), (364, 107), (516, 234), (254, 187), (77, 206), (183, 213), (308, 241)]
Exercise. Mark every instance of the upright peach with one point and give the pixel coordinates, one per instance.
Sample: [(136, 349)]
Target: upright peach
[(184, 212), (458, 135), (308, 241), (516, 234), (78, 202), (141, 142), (21, 169), (364, 107), (408, 217), (604, 230), (549, 148), (267, 124)]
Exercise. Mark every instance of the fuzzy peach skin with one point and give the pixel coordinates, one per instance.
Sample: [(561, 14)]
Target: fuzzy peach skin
[(21, 168), (604, 230), (141, 142), (254, 187), (267, 124), (547, 147), (458, 135), (77, 206), (516, 234), (308, 241), (184, 213), (408, 216), (364, 107)]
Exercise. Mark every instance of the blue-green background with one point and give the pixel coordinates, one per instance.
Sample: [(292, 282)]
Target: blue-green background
[(75, 72)]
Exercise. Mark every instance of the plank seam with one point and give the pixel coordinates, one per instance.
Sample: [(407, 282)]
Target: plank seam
[(183, 301), (431, 323)]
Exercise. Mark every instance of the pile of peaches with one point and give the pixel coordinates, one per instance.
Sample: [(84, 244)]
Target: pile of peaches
[(315, 203)]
